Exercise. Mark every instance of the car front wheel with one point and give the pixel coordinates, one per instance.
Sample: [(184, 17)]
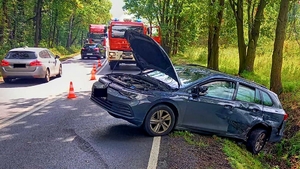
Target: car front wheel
[(159, 121), (257, 140)]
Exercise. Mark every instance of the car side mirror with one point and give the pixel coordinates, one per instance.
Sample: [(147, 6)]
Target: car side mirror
[(57, 57), (199, 91), (203, 90)]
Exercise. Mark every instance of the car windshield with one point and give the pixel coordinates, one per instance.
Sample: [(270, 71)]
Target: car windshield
[(97, 36), (118, 31), (187, 75), (20, 55), (89, 45)]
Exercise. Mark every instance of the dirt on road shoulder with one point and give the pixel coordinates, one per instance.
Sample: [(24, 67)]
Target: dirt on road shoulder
[(203, 152)]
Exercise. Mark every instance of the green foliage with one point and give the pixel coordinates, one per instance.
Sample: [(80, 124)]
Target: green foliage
[(189, 138), (239, 158)]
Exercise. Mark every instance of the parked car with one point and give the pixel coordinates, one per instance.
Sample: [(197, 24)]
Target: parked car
[(30, 62), (163, 97), (93, 50)]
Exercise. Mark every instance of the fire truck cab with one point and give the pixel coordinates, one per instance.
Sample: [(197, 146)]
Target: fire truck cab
[(97, 34), (118, 49)]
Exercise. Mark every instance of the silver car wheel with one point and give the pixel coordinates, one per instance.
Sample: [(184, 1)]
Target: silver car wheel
[(160, 121), (260, 142)]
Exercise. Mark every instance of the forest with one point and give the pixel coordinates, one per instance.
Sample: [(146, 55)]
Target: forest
[(62, 25)]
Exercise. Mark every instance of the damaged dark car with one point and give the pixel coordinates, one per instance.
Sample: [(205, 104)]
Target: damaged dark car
[(163, 97)]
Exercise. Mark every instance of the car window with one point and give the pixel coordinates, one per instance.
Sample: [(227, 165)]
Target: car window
[(20, 55), (51, 54), (267, 101), (220, 89), (247, 94), (89, 45), (44, 54)]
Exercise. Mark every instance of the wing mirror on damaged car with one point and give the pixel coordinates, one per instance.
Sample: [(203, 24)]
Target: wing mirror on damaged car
[(199, 91)]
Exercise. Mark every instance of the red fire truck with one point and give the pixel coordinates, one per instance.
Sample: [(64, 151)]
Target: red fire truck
[(118, 49), (97, 34)]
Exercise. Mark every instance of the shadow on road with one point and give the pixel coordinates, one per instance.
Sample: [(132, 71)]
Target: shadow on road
[(21, 83)]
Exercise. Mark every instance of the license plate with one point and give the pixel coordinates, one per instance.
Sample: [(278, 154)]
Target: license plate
[(89, 54), (19, 65), (100, 92)]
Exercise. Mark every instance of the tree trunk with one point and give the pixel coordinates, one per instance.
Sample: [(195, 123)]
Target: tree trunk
[(4, 22), (69, 40), (213, 39), (253, 36), (275, 81), (238, 13), (38, 22)]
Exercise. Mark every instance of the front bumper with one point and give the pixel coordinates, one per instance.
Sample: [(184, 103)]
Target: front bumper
[(120, 106)]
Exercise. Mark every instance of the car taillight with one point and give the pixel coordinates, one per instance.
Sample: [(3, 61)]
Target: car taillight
[(285, 117), (35, 63), (96, 49), (4, 63)]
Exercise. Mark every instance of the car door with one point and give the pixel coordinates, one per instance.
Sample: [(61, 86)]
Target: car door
[(210, 111), (54, 62), (247, 111)]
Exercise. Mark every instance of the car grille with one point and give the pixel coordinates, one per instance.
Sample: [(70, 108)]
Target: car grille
[(114, 107)]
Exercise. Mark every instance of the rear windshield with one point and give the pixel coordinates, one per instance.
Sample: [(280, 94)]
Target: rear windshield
[(20, 55), (97, 36), (89, 45), (118, 31)]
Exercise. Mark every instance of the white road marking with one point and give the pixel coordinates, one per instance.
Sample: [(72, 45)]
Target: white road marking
[(30, 110), (152, 164)]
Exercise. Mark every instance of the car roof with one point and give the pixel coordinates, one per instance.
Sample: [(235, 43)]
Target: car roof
[(29, 49)]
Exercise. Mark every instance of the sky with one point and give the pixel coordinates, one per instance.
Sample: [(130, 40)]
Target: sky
[(116, 10)]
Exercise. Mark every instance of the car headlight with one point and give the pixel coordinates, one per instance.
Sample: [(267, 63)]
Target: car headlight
[(133, 95)]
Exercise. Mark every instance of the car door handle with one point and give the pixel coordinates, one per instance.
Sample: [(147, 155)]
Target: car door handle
[(254, 110)]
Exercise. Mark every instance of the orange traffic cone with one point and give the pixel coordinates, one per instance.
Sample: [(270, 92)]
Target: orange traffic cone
[(93, 75), (71, 94), (99, 63), (94, 67)]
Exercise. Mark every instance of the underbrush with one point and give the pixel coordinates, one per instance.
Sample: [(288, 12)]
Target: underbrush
[(285, 154)]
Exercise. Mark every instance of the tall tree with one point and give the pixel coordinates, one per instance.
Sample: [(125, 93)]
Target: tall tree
[(255, 12), (214, 32), (38, 22), (277, 56)]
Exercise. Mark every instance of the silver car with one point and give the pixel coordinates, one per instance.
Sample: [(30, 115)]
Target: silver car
[(30, 62)]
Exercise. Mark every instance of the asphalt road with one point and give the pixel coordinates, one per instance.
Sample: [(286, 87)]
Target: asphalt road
[(41, 128)]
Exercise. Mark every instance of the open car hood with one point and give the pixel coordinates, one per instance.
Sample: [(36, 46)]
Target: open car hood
[(149, 54)]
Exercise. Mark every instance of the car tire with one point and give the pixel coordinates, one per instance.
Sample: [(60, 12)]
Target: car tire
[(159, 121), (256, 140), (47, 76), (7, 80), (59, 72)]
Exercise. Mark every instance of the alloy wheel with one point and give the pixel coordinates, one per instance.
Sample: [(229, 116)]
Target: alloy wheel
[(260, 142), (160, 121)]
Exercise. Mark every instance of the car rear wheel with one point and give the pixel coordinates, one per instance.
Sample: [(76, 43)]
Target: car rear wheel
[(257, 140), (47, 76), (59, 72), (7, 80), (159, 121)]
